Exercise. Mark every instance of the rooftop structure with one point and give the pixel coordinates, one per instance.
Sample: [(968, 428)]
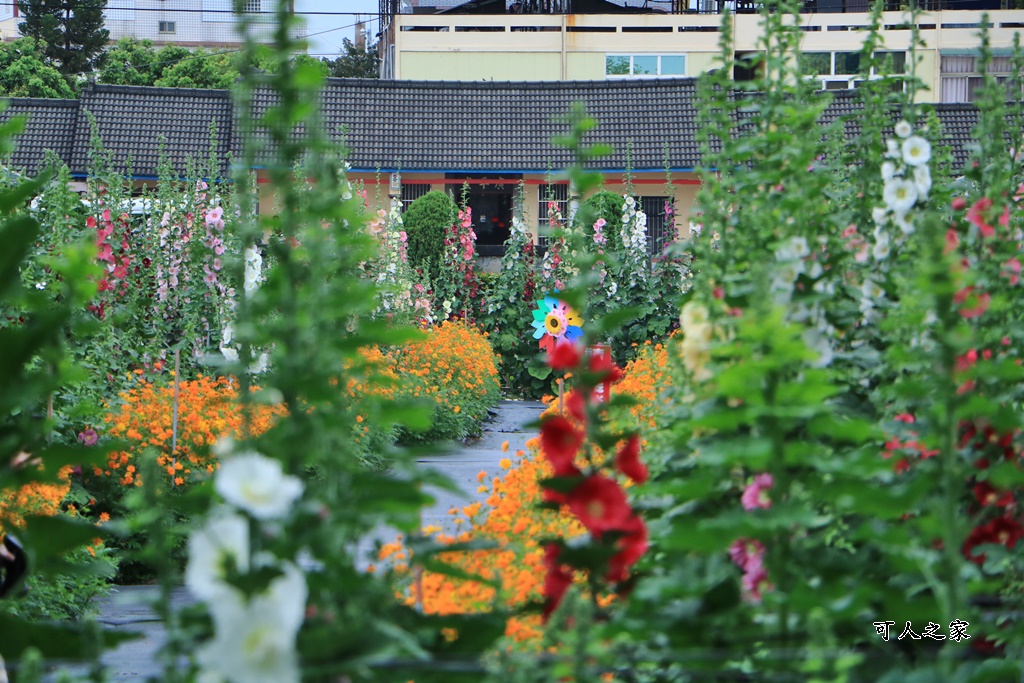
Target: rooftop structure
[(552, 40)]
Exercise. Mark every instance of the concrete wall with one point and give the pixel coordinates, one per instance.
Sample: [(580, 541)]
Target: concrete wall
[(573, 47)]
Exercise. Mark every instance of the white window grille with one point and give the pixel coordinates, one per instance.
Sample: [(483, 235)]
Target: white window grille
[(411, 192), (557, 193), (659, 230)]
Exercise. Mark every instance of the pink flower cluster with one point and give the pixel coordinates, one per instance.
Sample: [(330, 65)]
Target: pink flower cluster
[(748, 555), (115, 264)]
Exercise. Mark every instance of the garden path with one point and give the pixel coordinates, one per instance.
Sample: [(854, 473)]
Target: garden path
[(127, 607)]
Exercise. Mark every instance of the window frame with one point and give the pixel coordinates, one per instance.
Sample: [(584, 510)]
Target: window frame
[(632, 56), (850, 80), (166, 28)]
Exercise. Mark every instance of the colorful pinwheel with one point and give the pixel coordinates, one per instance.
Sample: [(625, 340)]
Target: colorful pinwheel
[(554, 321)]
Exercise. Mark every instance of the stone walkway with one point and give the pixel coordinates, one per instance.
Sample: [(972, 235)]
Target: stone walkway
[(127, 607)]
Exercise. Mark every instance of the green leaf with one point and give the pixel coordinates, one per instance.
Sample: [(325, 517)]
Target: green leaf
[(539, 371)]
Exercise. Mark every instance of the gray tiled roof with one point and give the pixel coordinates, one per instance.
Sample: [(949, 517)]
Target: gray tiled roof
[(412, 126), (501, 126), (49, 125), (131, 120)]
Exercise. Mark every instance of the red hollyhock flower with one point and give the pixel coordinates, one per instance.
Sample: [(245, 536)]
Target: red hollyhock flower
[(602, 365), (557, 581), (627, 461), (564, 355), (1004, 531), (561, 441), (633, 546), (987, 495), (577, 405), (600, 504)]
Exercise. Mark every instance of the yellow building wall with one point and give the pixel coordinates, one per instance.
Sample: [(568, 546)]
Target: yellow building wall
[(477, 66)]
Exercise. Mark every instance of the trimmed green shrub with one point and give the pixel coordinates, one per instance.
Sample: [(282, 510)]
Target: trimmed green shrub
[(426, 221)]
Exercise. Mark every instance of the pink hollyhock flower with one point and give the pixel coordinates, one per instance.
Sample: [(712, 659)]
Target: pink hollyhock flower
[(755, 581), (89, 437), (743, 549), (976, 216), (755, 495), (1012, 271)]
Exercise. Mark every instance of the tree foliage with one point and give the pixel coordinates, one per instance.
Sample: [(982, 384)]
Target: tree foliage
[(135, 62), (25, 73), (354, 62), (71, 32)]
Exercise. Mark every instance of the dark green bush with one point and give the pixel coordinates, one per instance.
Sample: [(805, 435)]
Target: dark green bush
[(426, 221)]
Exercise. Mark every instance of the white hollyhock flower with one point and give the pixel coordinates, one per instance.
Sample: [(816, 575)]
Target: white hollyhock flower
[(221, 543), (903, 129), (259, 365), (255, 639), (892, 149), (881, 250), (916, 151), (888, 170), (905, 223), (923, 181), (230, 354), (794, 248), (879, 215), (899, 195), (871, 290), (257, 484)]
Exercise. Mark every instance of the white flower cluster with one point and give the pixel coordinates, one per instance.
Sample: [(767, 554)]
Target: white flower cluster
[(791, 260), (634, 239), (254, 637), (907, 181), (253, 269), (794, 258), (394, 276)]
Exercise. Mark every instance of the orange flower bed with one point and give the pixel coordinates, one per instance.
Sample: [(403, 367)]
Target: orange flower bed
[(35, 498), (454, 367), (510, 518), (208, 409)]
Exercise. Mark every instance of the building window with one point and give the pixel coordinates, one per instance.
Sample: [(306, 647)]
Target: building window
[(644, 66), (491, 198), (659, 225), (251, 7), (411, 192), (961, 80), (166, 27), (559, 194), (841, 70)]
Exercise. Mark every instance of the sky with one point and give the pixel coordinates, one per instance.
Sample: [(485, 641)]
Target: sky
[(327, 30)]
